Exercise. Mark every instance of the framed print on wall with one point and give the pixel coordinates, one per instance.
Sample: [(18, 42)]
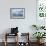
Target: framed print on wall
[(41, 12), (41, 8), (17, 13)]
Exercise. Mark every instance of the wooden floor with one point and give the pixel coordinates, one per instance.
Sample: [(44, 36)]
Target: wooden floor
[(13, 44)]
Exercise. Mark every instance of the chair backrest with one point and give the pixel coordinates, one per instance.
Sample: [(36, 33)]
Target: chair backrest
[(24, 37)]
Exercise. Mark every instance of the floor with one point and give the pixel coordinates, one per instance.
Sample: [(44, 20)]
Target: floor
[(13, 44)]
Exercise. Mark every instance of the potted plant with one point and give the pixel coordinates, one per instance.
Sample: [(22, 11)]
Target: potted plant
[(42, 27), (39, 35), (38, 27), (35, 26)]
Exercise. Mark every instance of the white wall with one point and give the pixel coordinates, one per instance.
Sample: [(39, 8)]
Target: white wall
[(23, 24)]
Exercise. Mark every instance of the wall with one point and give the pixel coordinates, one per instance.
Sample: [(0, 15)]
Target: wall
[(23, 24)]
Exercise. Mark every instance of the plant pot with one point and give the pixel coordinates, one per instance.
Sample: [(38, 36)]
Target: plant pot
[(40, 41)]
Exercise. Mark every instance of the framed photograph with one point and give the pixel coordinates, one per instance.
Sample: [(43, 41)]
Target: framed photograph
[(17, 13)]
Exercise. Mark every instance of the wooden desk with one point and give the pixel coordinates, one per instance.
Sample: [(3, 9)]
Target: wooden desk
[(17, 43), (8, 34)]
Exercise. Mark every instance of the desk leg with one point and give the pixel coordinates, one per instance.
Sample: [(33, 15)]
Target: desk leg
[(5, 40), (5, 43), (17, 40)]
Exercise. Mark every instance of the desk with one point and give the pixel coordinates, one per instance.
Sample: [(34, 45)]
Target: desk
[(8, 34), (17, 43)]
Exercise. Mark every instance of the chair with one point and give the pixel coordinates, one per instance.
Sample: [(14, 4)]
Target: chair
[(24, 36), (14, 32), (7, 35)]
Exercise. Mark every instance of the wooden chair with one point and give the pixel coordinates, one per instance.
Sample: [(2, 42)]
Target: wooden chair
[(8, 34), (27, 43)]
